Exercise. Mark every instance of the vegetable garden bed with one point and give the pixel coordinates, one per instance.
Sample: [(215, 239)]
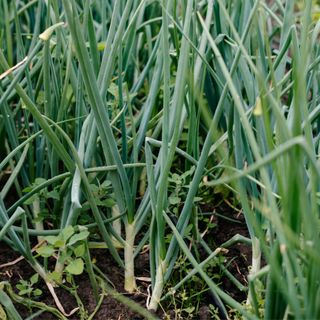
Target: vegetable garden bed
[(198, 302), (159, 159)]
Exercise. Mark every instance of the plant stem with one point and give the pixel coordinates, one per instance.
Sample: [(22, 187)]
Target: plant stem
[(129, 277), (116, 224), (256, 264), (36, 212), (158, 287)]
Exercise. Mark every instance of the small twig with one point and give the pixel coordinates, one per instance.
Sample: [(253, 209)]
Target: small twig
[(233, 207), (9, 264), (144, 279), (207, 229), (3, 75), (58, 303), (145, 249), (149, 295)]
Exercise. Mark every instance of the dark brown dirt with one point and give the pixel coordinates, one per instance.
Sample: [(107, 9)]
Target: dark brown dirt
[(237, 258), (110, 308)]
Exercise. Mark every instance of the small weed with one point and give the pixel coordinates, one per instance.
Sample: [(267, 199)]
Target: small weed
[(69, 248), (26, 288)]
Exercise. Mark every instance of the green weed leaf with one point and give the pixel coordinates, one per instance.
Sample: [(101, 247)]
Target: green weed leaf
[(67, 232), (34, 279), (54, 194), (174, 200), (79, 250), (75, 267), (45, 251), (37, 292), (55, 276), (78, 237)]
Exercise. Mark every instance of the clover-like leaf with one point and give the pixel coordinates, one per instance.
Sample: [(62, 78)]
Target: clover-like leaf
[(55, 276), (45, 251), (79, 250), (54, 194), (37, 292), (67, 232), (78, 237), (75, 267), (55, 241), (25, 291), (174, 200), (34, 279)]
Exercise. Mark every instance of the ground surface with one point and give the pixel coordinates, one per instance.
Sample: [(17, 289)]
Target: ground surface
[(237, 259)]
